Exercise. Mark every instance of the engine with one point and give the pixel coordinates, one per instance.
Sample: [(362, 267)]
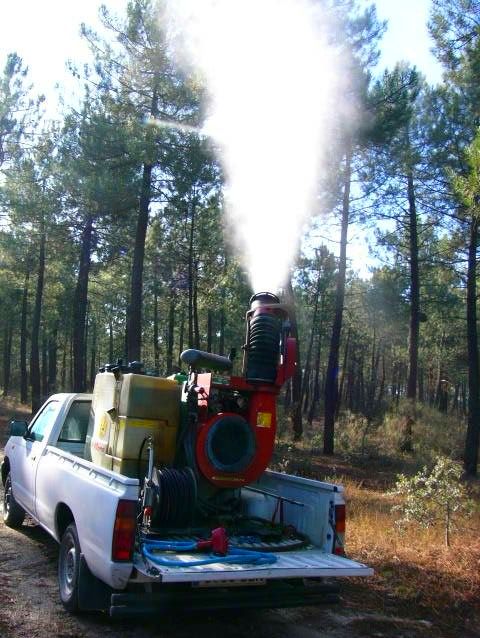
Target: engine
[(236, 418)]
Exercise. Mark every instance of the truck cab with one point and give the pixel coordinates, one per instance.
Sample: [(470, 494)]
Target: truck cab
[(62, 422)]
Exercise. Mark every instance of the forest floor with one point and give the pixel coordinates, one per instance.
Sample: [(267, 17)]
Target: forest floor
[(419, 589)]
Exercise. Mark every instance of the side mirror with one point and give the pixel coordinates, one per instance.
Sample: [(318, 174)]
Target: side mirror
[(18, 428)]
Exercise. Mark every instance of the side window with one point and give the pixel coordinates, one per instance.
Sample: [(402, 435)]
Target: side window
[(74, 429), (43, 421)]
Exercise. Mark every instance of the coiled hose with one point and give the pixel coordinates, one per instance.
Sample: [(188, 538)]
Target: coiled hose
[(234, 556), (174, 496)]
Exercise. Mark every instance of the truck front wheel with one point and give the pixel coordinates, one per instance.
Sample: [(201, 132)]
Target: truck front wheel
[(13, 514), (69, 569)]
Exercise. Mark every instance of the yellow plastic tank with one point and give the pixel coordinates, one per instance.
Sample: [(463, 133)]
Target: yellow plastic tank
[(126, 409)]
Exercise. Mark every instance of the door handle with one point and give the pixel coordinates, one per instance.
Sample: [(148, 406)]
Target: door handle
[(33, 458)]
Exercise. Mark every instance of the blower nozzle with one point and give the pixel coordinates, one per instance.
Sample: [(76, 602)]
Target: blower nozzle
[(264, 337)]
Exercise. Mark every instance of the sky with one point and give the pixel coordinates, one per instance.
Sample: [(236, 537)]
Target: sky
[(47, 33), (407, 35)]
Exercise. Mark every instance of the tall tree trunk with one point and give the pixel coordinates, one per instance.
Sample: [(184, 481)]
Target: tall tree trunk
[(125, 336), (23, 342), (414, 291), (44, 366), (7, 356), (304, 398), (37, 313), (455, 398), (93, 355), (331, 382), (344, 372), (196, 330), (394, 379), (473, 423), (191, 275), (439, 385), (171, 334), (80, 300), (381, 390), (181, 335), (71, 363), (134, 316), (360, 393), (296, 384), (318, 357), (52, 360), (110, 341), (209, 330), (223, 322), (350, 389), (221, 340), (85, 354), (63, 377), (372, 384), (156, 344), (134, 321)]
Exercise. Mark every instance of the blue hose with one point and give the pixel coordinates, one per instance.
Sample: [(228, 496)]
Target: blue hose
[(235, 555), (171, 546)]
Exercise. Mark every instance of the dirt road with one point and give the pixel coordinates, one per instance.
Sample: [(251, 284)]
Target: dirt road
[(29, 605)]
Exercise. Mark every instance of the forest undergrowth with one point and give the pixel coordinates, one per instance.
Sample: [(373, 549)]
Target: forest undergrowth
[(416, 576)]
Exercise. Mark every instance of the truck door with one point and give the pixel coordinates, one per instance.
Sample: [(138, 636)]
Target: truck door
[(28, 452), (71, 439)]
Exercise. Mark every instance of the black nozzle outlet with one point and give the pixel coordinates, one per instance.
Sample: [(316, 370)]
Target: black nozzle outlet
[(262, 299)]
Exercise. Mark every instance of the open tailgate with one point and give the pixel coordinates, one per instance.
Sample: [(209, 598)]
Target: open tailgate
[(306, 563)]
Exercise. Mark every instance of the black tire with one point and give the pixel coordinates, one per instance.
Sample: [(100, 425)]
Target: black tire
[(69, 569), (13, 514)]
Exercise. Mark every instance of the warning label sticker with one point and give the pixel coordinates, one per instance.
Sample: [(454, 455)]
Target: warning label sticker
[(264, 419)]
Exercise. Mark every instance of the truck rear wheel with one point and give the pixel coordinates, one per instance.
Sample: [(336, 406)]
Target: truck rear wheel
[(69, 569), (13, 514)]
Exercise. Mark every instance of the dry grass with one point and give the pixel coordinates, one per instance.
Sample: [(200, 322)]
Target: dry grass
[(416, 576), (414, 568)]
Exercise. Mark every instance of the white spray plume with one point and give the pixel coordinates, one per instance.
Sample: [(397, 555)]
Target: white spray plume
[(270, 77)]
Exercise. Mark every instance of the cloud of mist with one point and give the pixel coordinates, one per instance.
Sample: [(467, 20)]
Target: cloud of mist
[(271, 78)]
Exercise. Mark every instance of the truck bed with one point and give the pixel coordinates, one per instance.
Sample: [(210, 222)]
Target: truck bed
[(307, 510)]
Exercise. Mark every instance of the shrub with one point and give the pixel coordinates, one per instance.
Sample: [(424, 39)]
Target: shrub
[(355, 435), (434, 433), (435, 497)]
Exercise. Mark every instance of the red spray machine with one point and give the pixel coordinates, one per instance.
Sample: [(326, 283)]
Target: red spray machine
[(235, 416)]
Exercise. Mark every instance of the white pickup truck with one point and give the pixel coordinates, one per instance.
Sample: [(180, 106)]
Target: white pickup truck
[(93, 513)]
